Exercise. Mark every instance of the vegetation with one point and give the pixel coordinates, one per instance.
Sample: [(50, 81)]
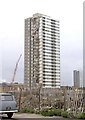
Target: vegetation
[(26, 110), (80, 116), (51, 112), (64, 114), (47, 112), (57, 112), (54, 112)]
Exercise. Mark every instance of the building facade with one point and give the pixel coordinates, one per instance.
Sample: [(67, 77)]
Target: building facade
[(76, 78), (42, 52)]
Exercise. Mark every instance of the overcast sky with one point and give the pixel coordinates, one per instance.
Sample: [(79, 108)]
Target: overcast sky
[(12, 15)]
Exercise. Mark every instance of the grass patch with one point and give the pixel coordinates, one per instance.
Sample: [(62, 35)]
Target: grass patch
[(26, 110), (51, 112)]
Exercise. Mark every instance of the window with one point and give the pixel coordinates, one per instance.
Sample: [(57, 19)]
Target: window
[(43, 23), (53, 26), (49, 78), (49, 69), (53, 23), (49, 75), (53, 85), (43, 26), (53, 20), (43, 20), (43, 17), (6, 97), (43, 32)]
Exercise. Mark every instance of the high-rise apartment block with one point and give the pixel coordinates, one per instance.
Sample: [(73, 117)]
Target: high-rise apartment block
[(76, 78), (42, 52)]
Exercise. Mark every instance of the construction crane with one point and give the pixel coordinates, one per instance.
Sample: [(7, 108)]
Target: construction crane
[(16, 66)]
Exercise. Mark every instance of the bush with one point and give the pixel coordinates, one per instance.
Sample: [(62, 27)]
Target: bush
[(57, 112), (71, 115), (26, 110), (44, 112), (64, 114), (80, 116), (51, 112)]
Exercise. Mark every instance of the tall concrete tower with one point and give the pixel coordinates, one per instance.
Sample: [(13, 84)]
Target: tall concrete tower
[(42, 51), (76, 78)]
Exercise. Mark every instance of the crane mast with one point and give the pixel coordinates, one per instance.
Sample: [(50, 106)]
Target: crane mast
[(16, 66)]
